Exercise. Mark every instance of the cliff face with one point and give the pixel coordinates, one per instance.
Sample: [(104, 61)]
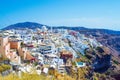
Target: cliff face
[(111, 40)]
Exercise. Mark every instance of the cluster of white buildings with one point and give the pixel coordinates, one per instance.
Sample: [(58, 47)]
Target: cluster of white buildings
[(52, 48)]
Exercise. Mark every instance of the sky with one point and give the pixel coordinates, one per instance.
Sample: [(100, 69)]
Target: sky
[(88, 13)]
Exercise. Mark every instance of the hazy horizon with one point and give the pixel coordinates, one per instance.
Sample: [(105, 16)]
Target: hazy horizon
[(102, 14)]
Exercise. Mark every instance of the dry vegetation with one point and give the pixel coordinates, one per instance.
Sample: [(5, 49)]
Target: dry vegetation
[(25, 76)]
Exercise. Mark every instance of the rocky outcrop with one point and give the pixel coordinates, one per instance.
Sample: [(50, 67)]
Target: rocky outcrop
[(103, 63)]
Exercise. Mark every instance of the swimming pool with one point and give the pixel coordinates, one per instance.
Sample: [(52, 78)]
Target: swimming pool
[(80, 64)]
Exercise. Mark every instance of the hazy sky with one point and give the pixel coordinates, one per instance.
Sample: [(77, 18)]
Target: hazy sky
[(88, 13)]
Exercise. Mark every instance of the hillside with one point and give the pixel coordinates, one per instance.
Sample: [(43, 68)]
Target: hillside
[(104, 36), (30, 25), (102, 61)]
